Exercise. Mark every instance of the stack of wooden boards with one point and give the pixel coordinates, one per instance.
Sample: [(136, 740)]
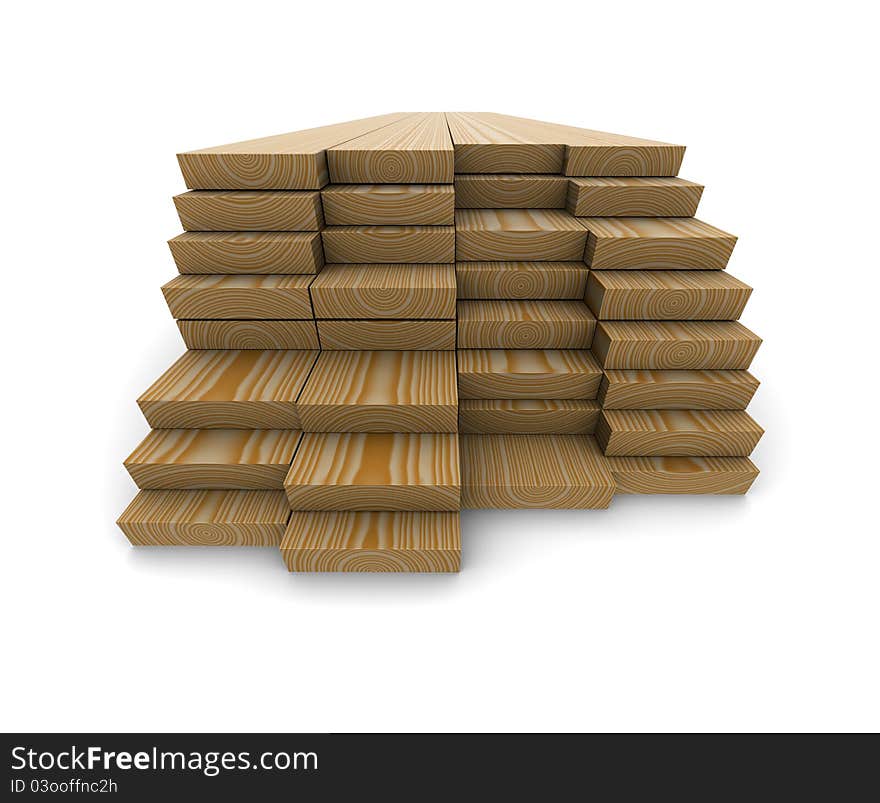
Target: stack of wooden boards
[(354, 296)]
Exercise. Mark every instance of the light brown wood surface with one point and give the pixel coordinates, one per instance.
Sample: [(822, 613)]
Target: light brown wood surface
[(671, 295), (682, 475), (657, 196), (206, 518), (417, 149), (525, 324), (676, 390), (385, 291), (249, 334), (364, 541), (389, 205), (381, 391), (510, 191), (363, 244), (521, 280), (229, 389), (373, 471), (527, 374), (375, 335), (244, 252), (249, 210), (534, 471), (213, 458), (239, 297), (665, 345), (523, 416), (517, 234)]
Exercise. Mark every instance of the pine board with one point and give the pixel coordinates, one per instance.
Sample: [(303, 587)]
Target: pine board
[(381, 391), (362, 541), (664, 345), (213, 458), (525, 324), (239, 297), (229, 389), (243, 252), (527, 374), (524, 416), (682, 475), (389, 205), (385, 291), (676, 390), (372, 471), (206, 518), (534, 471), (660, 433), (363, 244), (417, 149), (516, 191), (521, 280), (249, 334), (656, 196), (517, 234), (391, 335), (648, 243), (249, 210), (671, 295)]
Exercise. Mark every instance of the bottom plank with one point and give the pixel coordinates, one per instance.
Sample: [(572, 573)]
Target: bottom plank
[(682, 475), (528, 416)]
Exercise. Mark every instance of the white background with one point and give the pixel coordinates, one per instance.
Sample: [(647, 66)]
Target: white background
[(749, 613)]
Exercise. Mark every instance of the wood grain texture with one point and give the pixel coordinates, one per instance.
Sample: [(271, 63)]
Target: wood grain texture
[(389, 205), (372, 471), (656, 196), (243, 252), (292, 161), (676, 390), (682, 475), (527, 374), (525, 325), (239, 297), (249, 210), (517, 234), (381, 391), (375, 335), (385, 291), (665, 345), (534, 471), (213, 458), (525, 416), (510, 191), (415, 149), (670, 295), (648, 243), (229, 390), (363, 244), (206, 518), (521, 280), (249, 334), (699, 433), (372, 541)]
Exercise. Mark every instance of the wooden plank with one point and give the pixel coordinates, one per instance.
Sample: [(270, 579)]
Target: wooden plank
[(381, 391), (385, 291), (510, 191), (206, 518), (523, 416), (525, 324), (534, 471), (682, 475), (375, 471), (389, 205), (662, 345), (249, 210), (648, 243), (243, 252), (413, 150), (666, 295), (676, 390), (213, 458), (292, 161), (372, 541), (521, 280), (656, 196), (527, 374), (391, 335), (517, 234), (486, 147), (239, 297), (660, 433), (229, 390), (249, 334), (361, 244)]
